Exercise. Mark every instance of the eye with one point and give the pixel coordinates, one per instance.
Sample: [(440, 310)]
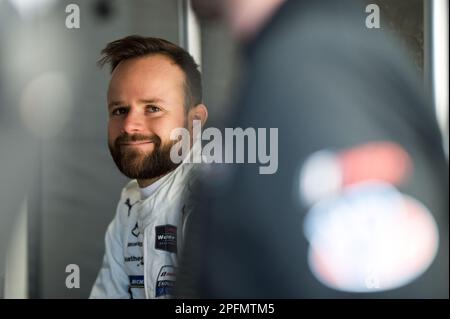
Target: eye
[(119, 111), (153, 109)]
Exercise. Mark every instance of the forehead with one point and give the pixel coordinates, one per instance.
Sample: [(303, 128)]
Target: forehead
[(154, 74)]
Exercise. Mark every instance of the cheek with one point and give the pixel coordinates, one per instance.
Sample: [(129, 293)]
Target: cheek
[(113, 131), (164, 127)]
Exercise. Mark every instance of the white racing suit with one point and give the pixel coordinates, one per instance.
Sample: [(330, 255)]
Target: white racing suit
[(143, 240)]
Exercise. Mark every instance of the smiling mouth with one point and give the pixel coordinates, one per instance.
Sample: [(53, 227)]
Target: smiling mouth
[(135, 143)]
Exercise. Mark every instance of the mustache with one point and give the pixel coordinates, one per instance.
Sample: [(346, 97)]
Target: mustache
[(125, 138)]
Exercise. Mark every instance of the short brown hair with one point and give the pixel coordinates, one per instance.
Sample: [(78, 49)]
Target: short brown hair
[(136, 46)]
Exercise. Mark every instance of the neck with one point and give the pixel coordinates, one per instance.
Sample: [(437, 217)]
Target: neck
[(248, 17), (147, 182)]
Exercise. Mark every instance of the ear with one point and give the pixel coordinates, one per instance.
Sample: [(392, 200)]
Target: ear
[(199, 112)]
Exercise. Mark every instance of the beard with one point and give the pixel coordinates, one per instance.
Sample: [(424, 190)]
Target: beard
[(138, 164)]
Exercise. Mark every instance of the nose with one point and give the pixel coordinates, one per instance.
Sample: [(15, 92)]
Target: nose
[(133, 122)]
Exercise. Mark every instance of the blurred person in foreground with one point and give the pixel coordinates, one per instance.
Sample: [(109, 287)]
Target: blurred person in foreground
[(155, 88), (359, 204)]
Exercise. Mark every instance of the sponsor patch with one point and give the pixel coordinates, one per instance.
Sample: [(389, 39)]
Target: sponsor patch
[(139, 260), (129, 205), (136, 281), (134, 244), (135, 230), (166, 238), (165, 281)]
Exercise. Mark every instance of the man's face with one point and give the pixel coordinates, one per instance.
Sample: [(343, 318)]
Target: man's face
[(145, 102)]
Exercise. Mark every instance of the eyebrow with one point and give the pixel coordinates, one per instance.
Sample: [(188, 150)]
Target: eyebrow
[(143, 101)]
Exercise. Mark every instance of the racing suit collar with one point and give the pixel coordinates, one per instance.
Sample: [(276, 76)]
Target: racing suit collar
[(169, 187)]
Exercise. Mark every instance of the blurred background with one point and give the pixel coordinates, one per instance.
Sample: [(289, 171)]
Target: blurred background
[(58, 185)]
